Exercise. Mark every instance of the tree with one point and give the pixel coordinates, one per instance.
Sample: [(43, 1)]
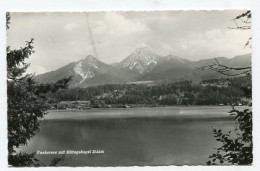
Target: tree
[(26, 103), (242, 22), (237, 145)]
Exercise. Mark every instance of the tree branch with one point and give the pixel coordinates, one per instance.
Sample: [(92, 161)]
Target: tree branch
[(226, 70)]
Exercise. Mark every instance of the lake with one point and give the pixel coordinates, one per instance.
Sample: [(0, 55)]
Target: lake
[(135, 136)]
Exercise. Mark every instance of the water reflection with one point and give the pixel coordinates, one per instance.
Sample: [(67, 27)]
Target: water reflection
[(131, 140)]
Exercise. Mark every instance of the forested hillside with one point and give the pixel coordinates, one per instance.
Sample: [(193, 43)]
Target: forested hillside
[(209, 92)]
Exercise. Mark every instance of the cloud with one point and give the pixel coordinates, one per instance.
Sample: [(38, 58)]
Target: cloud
[(213, 34), (116, 24), (212, 43), (63, 37), (71, 26)]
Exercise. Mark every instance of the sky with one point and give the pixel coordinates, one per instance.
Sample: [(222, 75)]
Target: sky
[(61, 38)]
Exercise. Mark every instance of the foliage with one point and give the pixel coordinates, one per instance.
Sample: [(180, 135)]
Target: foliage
[(210, 92), (236, 146), (23, 159), (26, 103), (243, 22), (8, 17), (57, 160)]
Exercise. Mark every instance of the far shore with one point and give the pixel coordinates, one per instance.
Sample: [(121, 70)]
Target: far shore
[(132, 107)]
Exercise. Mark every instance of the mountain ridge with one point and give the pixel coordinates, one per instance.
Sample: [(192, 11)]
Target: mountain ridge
[(141, 65)]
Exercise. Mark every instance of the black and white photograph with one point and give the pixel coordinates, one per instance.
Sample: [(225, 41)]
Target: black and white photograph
[(129, 88)]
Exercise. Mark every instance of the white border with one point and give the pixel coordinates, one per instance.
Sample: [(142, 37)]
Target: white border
[(133, 5)]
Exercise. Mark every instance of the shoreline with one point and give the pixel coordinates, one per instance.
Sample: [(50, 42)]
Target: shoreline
[(139, 107)]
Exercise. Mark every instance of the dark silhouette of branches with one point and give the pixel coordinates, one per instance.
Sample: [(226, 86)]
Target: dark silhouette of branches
[(243, 22), (227, 70), (8, 17), (237, 145)]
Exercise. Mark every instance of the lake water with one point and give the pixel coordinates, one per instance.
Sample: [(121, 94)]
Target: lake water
[(136, 136)]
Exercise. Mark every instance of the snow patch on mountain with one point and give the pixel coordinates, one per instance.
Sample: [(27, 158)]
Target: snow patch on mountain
[(151, 62), (91, 61), (141, 60), (84, 74)]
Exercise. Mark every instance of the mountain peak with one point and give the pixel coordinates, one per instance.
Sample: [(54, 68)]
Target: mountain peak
[(89, 58), (140, 60), (143, 64), (87, 68), (143, 51), (140, 49)]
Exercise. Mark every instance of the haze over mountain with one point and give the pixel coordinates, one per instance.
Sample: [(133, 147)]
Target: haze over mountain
[(141, 65)]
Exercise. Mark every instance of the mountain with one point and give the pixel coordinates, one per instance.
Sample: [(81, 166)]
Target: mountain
[(237, 61), (173, 68), (142, 60), (141, 65), (241, 61), (87, 72)]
